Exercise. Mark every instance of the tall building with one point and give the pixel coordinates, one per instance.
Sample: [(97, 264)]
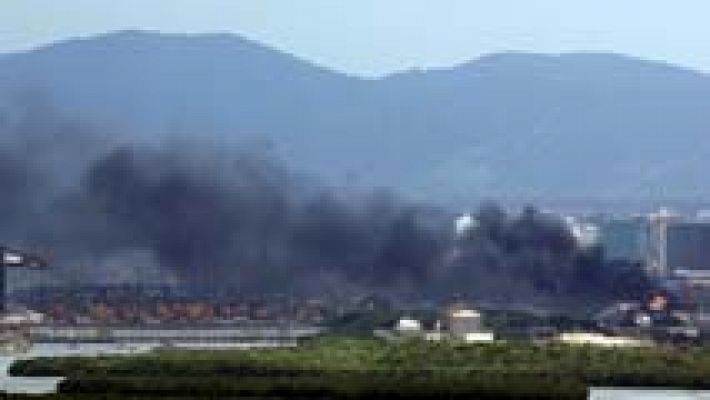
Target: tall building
[(688, 248), (657, 260), (688, 258), (678, 247), (624, 238)]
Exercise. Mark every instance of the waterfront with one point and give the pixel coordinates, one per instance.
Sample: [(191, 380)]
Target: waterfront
[(647, 394), (339, 365), (38, 385), (11, 384)]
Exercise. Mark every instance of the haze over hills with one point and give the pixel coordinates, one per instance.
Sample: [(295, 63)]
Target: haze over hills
[(507, 126)]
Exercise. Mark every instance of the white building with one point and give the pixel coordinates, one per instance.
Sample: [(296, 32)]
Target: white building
[(585, 234), (21, 318), (465, 324), (408, 325), (598, 339), (464, 321), (465, 223), (460, 323)]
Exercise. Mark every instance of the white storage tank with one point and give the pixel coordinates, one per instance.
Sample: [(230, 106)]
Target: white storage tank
[(464, 321)]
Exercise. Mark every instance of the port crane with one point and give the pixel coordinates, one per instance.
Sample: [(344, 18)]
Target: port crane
[(13, 258)]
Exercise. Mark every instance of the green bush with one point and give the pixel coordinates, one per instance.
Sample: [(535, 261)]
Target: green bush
[(368, 367)]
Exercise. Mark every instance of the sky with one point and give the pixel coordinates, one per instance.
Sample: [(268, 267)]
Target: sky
[(376, 37)]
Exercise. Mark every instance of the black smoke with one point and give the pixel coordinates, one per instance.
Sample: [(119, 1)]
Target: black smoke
[(531, 256), (219, 218), (243, 221)]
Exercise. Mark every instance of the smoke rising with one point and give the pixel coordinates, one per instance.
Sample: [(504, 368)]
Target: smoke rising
[(520, 258), (222, 219)]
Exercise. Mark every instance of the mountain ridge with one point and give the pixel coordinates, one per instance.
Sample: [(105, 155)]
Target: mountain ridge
[(508, 126)]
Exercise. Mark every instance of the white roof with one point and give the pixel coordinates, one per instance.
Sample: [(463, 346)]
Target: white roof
[(465, 313), (465, 223), (408, 324), (22, 317), (10, 258)]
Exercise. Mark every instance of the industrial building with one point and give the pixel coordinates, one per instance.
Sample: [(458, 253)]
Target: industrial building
[(459, 322), (30, 331), (599, 339), (666, 244), (12, 258), (624, 238), (688, 248), (124, 320), (672, 248), (465, 324), (205, 335), (679, 254)]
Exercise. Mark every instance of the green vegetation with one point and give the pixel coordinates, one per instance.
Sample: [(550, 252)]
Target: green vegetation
[(335, 367), (361, 323)]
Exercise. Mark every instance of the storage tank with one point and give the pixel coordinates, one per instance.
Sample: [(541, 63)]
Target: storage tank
[(464, 321)]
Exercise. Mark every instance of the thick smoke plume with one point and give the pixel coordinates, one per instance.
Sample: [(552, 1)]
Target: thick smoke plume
[(533, 256), (218, 219), (224, 221)]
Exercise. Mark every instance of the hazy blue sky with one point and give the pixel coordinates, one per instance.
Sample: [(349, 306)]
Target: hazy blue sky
[(378, 36)]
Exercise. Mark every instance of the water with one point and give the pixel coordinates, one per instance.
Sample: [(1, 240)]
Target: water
[(39, 385), (647, 394)]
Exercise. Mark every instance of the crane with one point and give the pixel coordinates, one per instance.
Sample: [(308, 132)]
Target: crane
[(13, 258)]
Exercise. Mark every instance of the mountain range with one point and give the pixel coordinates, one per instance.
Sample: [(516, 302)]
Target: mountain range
[(517, 127)]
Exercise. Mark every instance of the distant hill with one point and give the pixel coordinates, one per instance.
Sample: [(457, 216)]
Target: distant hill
[(512, 126)]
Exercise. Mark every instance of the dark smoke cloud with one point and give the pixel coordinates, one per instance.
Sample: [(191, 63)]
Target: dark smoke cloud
[(243, 221), (197, 214), (216, 218), (519, 258)]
